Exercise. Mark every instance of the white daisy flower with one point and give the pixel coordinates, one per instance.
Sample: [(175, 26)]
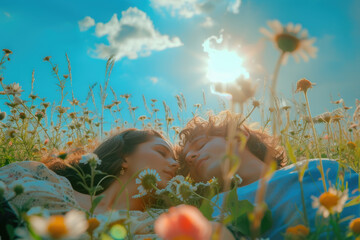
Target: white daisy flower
[(174, 182), (147, 179), (330, 202), (90, 158), (184, 190), (71, 225), (291, 40)]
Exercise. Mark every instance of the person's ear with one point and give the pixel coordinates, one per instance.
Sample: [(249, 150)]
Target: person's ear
[(125, 164)]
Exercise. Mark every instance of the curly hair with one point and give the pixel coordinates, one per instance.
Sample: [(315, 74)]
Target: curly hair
[(259, 143)]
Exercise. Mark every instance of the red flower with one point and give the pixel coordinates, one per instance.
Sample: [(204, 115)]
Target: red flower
[(183, 222)]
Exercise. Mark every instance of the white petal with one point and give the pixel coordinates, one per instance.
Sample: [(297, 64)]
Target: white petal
[(297, 28), (39, 224), (290, 27), (303, 55), (76, 222), (304, 33), (267, 33), (276, 26), (137, 181)]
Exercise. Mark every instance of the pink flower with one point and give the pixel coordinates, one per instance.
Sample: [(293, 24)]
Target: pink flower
[(183, 222)]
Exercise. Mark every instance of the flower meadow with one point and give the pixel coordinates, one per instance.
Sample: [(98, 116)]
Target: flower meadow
[(33, 127)]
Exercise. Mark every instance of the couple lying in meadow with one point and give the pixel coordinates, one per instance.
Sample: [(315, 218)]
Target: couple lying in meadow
[(118, 170)]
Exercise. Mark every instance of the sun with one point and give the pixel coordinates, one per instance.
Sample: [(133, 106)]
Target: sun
[(223, 66)]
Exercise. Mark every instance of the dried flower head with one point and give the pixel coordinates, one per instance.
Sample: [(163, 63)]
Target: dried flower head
[(47, 58), (7, 51), (13, 89), (39, 115), (303, 85), (2, 115)]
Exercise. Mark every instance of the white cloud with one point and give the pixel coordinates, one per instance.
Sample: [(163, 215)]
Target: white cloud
[(191, 8), (154, 80), (208, 23), (234, 6), (183, 8), (132, 35), (86, 23)]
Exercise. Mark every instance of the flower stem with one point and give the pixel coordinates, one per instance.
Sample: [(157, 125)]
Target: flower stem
[(303, 203), (316, 142), (273, 103)]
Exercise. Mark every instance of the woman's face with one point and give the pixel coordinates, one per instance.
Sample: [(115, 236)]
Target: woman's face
[(204, 156), (153, 154)]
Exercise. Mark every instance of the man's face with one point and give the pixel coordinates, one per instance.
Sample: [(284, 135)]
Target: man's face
[(204, 155)]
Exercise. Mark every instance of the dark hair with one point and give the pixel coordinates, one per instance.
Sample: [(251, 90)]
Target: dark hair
[(111, 152), (259, 142)]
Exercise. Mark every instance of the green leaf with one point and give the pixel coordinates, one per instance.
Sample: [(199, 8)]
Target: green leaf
[(266, 222), (206, 209), (95, 202), (353, 202)]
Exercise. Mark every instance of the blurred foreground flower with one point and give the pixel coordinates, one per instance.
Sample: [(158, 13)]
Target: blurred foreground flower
[(297, 232), (183, 222), (330, 202), (147, 180), (72, 224), (289, 40), (355, 225)]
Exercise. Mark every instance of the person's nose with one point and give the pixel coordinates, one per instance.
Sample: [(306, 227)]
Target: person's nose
[(191, 157), (173, 163)]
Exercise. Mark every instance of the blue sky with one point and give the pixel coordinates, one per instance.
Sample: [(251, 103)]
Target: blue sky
[(174, 60)]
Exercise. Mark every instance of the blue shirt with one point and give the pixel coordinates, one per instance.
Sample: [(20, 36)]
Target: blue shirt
[(283, 195)]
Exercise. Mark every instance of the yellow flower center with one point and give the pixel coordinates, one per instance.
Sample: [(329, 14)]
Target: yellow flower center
[(287, 42), (355, 225), (182, 237), (298, 230), (328, 200), (56, 227)]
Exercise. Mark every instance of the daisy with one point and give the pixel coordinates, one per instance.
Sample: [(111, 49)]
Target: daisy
[(184, 190), (330, 202), (174, 182), (73, 224), (291, 40), (90, 158), (147, 180)]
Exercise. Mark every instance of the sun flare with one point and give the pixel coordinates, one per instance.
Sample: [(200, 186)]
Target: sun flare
[(224, 66)]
